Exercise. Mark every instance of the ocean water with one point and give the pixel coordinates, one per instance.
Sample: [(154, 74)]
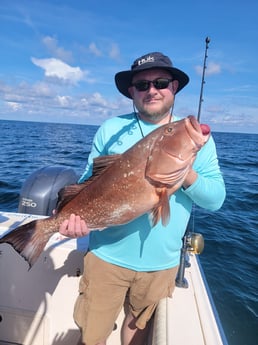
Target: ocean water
[(229, 259)]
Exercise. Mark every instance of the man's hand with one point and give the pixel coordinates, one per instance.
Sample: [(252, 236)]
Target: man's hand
[(74, 227), (190, 179)]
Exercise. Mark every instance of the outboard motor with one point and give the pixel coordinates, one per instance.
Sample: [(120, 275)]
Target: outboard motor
[(39, 192)]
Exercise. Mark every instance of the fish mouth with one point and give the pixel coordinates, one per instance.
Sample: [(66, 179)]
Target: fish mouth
[(200, 128), (205, 129)]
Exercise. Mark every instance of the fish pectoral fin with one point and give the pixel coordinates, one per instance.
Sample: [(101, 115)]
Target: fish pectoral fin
[(162, 210)]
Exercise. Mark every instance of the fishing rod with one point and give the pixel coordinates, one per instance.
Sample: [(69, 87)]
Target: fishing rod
[(207, 41), (192, 242)]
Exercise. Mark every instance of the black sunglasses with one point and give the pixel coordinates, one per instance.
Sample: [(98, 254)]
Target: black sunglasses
[(159, 83)]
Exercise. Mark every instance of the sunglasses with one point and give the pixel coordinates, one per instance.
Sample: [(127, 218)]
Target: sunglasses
[(159, 83)]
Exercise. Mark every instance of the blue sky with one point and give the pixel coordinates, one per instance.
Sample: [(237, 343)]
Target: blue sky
[(58, 58)]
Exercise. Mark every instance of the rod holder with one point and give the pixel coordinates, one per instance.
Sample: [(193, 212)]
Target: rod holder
[(193, 243), (181, 281)]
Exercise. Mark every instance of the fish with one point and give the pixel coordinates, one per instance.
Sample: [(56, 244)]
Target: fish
[(122, 187)]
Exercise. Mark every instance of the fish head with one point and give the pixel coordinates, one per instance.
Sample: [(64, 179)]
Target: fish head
[(175, 149), (187, 137)]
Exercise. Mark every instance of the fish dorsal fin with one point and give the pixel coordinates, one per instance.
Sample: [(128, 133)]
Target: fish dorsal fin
[(67, 193), (100, 164), (162, 210)]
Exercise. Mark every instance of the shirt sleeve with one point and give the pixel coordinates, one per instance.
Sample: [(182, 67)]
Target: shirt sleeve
[(208, 191)]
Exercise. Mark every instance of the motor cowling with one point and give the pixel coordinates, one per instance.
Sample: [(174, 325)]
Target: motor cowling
[(39, 193)]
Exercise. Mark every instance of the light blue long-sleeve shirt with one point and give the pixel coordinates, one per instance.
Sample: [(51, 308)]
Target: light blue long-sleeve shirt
[(137, 245)]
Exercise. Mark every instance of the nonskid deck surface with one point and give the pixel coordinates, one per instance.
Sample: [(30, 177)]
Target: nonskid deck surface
[(36, 306)]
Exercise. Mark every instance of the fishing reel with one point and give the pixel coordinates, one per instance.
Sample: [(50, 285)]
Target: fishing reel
[(194, 243)]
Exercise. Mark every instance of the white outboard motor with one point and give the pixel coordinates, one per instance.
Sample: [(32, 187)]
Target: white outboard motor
[(39, 192)]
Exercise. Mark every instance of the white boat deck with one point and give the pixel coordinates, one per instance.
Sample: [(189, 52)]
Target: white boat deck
[(36, 306)]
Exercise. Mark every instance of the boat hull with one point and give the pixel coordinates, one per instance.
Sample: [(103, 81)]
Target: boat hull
[(36, 305)]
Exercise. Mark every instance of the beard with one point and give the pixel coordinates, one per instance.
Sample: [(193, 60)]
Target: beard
[(154, 115)]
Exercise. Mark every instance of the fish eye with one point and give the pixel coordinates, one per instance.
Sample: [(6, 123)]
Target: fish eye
[(169, 129)]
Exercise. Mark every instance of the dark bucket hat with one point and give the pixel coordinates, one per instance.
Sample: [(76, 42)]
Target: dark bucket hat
[(149, 61)]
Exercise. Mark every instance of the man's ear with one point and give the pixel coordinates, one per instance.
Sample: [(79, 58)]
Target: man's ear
[(175, 84), (131, 91)]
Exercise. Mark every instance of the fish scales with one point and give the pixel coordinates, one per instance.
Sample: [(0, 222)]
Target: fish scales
[(123, 187)]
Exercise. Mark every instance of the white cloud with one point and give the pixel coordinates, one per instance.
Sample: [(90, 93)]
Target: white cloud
[(98, 99), (42, 89), (55, 68), (94, 50), (211, 68), (63, 101), (51, 44), (114, 51), (14, 106)]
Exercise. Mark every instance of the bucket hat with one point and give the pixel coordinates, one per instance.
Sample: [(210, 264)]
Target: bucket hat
[(153, 60)]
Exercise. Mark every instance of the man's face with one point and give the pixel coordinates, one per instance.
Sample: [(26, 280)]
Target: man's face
[(154, 104)]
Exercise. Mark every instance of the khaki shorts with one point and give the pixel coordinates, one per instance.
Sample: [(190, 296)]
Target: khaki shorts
[(105, 287)]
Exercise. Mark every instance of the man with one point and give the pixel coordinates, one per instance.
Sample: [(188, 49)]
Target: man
[(134, 262)]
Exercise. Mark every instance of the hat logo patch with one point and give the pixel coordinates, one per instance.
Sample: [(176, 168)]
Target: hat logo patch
[(145, 60)]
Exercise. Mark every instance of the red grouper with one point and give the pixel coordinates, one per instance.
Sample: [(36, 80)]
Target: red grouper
[(122, 187)]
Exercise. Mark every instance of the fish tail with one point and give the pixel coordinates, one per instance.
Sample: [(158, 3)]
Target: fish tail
[(28, 240)]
